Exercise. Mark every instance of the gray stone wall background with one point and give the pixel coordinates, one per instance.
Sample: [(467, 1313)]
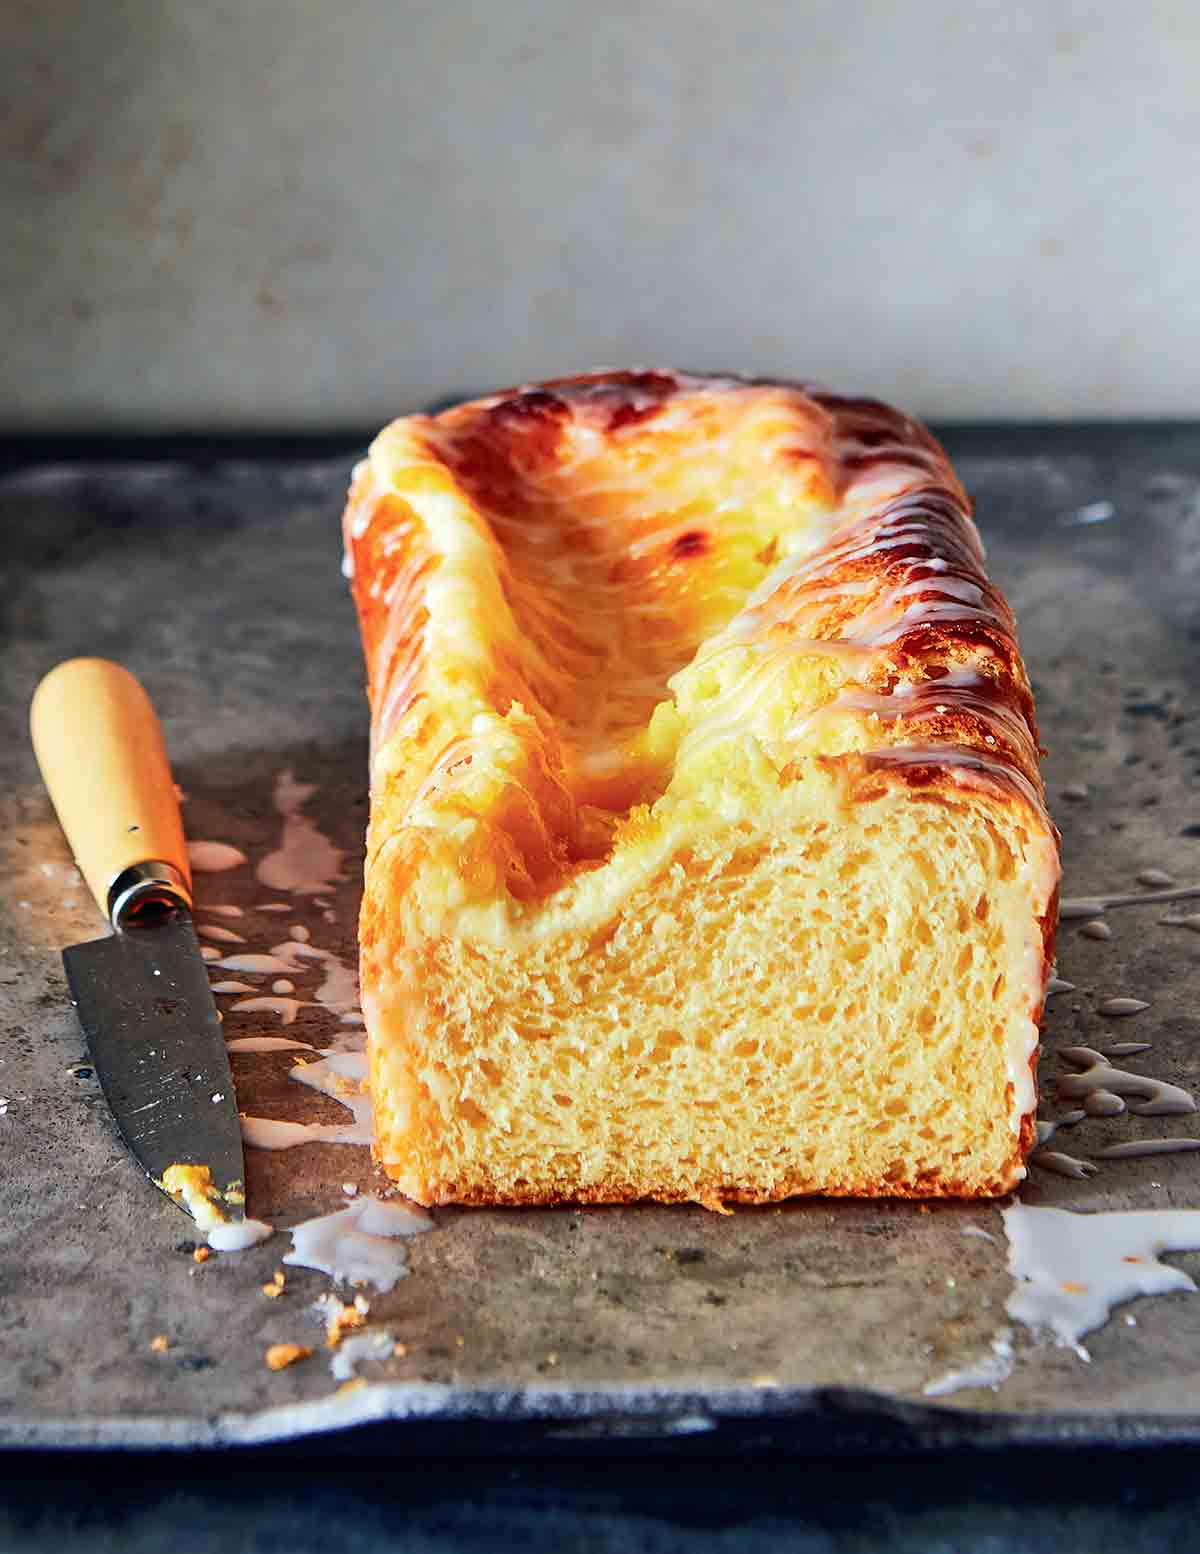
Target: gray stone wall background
[(304, 213)]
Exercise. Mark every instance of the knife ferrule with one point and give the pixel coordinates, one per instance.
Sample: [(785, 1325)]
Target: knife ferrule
[(146, 888)]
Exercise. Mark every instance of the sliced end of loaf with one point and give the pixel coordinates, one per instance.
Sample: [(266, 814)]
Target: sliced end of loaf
[(835, 993)]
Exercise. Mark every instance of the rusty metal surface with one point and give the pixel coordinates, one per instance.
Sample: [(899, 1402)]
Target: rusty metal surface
[(220, 588)]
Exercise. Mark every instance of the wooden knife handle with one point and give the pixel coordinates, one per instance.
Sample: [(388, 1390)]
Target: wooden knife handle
[(100, 748)]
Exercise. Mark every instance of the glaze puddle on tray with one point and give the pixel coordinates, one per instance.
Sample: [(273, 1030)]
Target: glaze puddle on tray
[(214, 857), (994, 1368), (305, 862), (1071, 1269), (286, 1008), (238, 1235), (360, 1244), (267, 1044), (338, 1075), (352, 1351)]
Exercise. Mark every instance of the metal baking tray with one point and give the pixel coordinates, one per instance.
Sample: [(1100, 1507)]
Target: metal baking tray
[(813, 1321)]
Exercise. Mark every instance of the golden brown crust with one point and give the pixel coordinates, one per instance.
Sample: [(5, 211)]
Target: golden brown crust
[(721, 1194)]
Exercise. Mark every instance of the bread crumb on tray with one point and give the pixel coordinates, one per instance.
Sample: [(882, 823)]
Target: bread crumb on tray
[(279, 1356), (340, 1319)]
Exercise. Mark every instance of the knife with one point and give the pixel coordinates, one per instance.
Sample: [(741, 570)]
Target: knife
[(142, 993)]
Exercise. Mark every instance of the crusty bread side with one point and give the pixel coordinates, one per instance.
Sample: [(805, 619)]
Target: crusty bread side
[(708, 855)]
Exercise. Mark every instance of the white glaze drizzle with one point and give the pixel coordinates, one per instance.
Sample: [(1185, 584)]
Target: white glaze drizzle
[(211, 910), (231, 986), (964, 689)]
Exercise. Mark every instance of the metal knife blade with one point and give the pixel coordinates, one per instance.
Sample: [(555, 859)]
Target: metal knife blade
[(147, 1010)]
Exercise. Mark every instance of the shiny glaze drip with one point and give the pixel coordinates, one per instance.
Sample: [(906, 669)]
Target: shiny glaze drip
[(1062, 1165), (963, 764), (1145, 1096), (1138, 1148), (1095, 906), (1045, 1129), (950, 696)]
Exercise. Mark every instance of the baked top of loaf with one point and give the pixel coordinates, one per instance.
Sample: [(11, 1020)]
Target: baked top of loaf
[(627, 634)]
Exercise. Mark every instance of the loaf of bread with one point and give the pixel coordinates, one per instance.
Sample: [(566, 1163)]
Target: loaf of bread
[(708, 855)]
